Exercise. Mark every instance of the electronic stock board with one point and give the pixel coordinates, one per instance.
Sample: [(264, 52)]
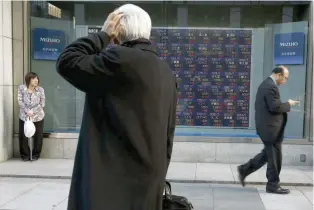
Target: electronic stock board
[(213, 68)]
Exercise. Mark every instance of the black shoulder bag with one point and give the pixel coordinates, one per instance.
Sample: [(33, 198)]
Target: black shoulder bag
[(174, 202)]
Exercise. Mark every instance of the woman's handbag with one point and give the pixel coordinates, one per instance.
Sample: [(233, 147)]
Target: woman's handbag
[(29, 128), (174, 202)]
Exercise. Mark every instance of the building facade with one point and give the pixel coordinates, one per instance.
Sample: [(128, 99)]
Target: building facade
[(219, 52)]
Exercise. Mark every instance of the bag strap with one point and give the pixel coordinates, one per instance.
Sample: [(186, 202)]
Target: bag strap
[(168, 185), (167, 190), (28, 118)]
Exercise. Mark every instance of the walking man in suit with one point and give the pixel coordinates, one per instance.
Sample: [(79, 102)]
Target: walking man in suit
[(270, 119)]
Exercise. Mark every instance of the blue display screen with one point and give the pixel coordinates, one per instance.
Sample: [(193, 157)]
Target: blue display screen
[(213, 74)]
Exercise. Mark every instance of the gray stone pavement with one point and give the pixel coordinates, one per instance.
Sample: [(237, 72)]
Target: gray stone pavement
[(178, 172), (51, 194)]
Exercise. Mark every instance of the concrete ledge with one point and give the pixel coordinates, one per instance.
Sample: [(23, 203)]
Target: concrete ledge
[(187, 149), (178, 172), (170, 180)]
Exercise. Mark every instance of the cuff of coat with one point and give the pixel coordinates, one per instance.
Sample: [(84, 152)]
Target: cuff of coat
[(288, 106), (104, 36)]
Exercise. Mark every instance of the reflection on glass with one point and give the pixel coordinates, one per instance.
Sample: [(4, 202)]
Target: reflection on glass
[(219, 54)]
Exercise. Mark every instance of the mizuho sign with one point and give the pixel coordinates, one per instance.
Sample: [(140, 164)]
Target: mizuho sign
[(49, 40), (289, 44), (289, 48), (47, 43)]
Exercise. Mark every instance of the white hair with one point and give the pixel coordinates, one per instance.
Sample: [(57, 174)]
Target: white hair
[(135, 23)]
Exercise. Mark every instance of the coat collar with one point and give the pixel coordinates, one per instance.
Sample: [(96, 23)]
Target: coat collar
[(273, 79), (142, 44)]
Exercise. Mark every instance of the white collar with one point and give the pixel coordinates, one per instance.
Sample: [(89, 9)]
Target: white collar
[(271, 76)]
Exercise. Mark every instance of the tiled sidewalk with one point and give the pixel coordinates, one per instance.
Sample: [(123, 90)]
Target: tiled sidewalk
[(24, 194), (178, 172)]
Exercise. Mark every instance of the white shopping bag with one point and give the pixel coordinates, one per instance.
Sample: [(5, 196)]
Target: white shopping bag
[(29, 128)]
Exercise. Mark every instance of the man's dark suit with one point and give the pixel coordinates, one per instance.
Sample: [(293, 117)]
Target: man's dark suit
[(270, 119)]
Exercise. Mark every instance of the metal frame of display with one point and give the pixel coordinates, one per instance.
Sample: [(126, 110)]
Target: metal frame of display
[(250, 100), (310, 86)]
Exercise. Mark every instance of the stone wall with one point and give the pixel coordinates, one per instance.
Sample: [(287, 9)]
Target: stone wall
[(187, 149), (12, 67)]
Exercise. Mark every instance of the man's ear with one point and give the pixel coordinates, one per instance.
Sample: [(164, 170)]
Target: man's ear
[(117, 34), (116, 41)]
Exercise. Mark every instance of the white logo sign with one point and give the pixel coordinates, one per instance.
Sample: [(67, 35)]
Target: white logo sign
[(93, 30), (49, 40), (289, 44)]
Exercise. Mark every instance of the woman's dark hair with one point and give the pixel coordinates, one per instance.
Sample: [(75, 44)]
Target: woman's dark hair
[(29, 76)]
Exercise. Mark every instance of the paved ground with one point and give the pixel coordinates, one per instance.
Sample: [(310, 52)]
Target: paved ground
[(51, 194), (178, 172)]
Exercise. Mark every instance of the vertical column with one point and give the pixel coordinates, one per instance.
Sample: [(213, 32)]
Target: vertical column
[(235, 17), (287, 17), (6, 89), (309, 79), (182, 16), (2, 120), (80, 30), (79, 14), (311, 65), (20, 51), (287, 14)]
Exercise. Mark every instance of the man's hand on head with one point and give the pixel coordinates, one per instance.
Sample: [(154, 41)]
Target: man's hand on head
[(112, 25)]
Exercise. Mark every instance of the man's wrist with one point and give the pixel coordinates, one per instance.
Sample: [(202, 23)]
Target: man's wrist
[(289, 106), (104, 36)]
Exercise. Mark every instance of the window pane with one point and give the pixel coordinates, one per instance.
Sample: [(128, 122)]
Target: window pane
[(220, 53)]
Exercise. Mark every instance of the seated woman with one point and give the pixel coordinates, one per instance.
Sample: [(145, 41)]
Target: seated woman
[(31, 100)]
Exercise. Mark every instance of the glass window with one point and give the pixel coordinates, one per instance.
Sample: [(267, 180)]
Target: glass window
[(219, 52)]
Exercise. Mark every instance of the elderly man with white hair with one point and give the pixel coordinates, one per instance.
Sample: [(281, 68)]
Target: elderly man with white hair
[(127, 131)]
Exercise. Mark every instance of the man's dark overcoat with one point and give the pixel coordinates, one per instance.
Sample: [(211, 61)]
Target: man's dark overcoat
[(126, 137)]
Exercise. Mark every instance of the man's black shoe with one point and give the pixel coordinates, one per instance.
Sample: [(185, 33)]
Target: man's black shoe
[(279, 190), (35, 158), (241, 176), (25, 158)]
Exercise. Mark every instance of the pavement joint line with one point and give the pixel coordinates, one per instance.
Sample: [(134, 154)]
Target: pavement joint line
[(195, 174), (171, 180), (260, 197), (232, 173), (56, 206), (19, 195), (306, 174), (305, 195)]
